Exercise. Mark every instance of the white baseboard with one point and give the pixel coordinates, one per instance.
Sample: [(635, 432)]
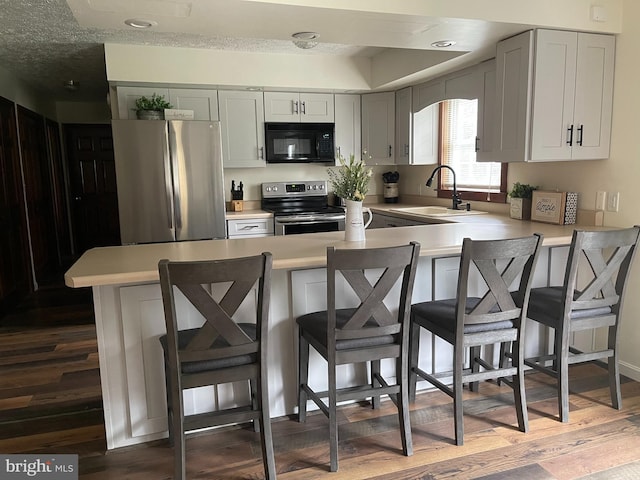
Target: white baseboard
[(631, 371)]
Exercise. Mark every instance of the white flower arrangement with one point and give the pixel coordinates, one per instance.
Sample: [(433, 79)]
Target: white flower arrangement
[(351, 180)]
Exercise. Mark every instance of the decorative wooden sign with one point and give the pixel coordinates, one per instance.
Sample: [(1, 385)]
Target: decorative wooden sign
[(554, 207)]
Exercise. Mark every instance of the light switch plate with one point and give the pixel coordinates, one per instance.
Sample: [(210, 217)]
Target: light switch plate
[(613, 201), (601, 198)]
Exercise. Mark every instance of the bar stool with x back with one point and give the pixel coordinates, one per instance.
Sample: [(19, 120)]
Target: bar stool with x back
[(589, 298), (219, 350), (494, 282), (366, 333)]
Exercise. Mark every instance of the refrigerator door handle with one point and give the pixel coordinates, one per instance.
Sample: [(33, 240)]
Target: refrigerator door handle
[(175, 152), (168, 178)]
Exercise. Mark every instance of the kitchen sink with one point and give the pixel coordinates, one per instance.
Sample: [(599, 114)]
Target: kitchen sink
[(433, 211)]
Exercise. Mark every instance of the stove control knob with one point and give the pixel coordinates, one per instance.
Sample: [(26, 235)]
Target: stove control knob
[(321, 187), (274, 188)]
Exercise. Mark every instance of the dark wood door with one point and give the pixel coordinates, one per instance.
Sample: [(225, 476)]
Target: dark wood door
[(60, 210), (38, 193), (15, 271), (94, 199)]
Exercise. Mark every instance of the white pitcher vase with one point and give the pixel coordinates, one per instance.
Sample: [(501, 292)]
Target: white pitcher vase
[(354, 222)]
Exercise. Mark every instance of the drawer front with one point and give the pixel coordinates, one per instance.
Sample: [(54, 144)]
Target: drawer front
[(250, 226)]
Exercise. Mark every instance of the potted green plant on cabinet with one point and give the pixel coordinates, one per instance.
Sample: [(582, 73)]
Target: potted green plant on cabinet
[(520, 204), (151, 108)]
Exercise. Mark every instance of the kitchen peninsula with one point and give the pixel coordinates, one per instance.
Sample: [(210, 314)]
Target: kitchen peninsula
[(129, 316)]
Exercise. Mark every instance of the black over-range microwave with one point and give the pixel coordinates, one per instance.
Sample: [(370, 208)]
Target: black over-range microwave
[(299, 142)]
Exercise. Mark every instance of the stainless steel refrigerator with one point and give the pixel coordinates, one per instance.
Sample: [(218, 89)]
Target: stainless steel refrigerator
[(170, 180)]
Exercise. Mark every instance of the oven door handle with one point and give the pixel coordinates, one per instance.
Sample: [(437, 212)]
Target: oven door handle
[(310, 218)]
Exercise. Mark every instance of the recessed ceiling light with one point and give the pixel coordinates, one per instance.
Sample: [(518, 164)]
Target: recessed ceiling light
[(138, 23), (443, 43), (305, 40)]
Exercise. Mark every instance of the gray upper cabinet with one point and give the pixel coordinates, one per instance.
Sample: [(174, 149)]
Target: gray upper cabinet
[(298, 107), (378, 127), (554, 96), (486, 111), (514, 72), (204, 103), (348, 127), (127, 97), (242, 127), (572, 118), (404, 121)]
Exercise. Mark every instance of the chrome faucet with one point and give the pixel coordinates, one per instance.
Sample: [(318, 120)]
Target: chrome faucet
[(454, 197)]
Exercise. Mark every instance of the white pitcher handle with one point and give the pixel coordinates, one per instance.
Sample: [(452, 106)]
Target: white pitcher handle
[(367, 210)]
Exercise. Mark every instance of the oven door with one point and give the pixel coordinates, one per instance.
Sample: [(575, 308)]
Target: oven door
[(293, 224)]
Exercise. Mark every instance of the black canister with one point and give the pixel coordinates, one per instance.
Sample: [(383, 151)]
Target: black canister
[(391, 186)]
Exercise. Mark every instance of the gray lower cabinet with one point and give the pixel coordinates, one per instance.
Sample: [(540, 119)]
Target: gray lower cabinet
[(250, 227)]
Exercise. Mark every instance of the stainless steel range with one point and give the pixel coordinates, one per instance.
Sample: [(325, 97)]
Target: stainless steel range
[(301, 207)]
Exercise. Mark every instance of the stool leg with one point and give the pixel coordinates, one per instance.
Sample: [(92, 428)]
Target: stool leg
[(254, 392), (402, 373), (303, 376), (474, 352), (614, 370), (519, 393), (333, 417), (562, 362), (458, 356), (375, 372), (266, 437), (414, 350)]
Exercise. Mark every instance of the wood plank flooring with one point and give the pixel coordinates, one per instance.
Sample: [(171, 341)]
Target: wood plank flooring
[(50, 403)]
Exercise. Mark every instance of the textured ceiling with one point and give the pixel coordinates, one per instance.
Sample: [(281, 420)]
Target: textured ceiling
[(42, 42)]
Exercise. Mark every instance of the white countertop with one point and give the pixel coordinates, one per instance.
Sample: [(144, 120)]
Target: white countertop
[(138, 263), (248, 214)]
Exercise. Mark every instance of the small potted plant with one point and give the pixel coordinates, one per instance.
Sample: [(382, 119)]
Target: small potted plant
[(521, 201), (151, 108)]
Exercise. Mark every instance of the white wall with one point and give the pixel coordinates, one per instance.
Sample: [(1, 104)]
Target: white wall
[(214, 68), (83, 112)]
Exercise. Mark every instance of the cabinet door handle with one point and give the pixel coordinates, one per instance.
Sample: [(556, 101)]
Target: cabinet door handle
[(295, 108), (261, 153), (580, 134), (406, 149), (303, 108), (477, 144), (338, 152), (390, 151), (250, 227), (570, 135)]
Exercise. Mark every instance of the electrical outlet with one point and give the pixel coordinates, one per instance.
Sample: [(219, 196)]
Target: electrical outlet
[(601, 198), (613, 201)]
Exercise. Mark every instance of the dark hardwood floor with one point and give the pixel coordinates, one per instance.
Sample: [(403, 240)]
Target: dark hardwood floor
[(50, 403)]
